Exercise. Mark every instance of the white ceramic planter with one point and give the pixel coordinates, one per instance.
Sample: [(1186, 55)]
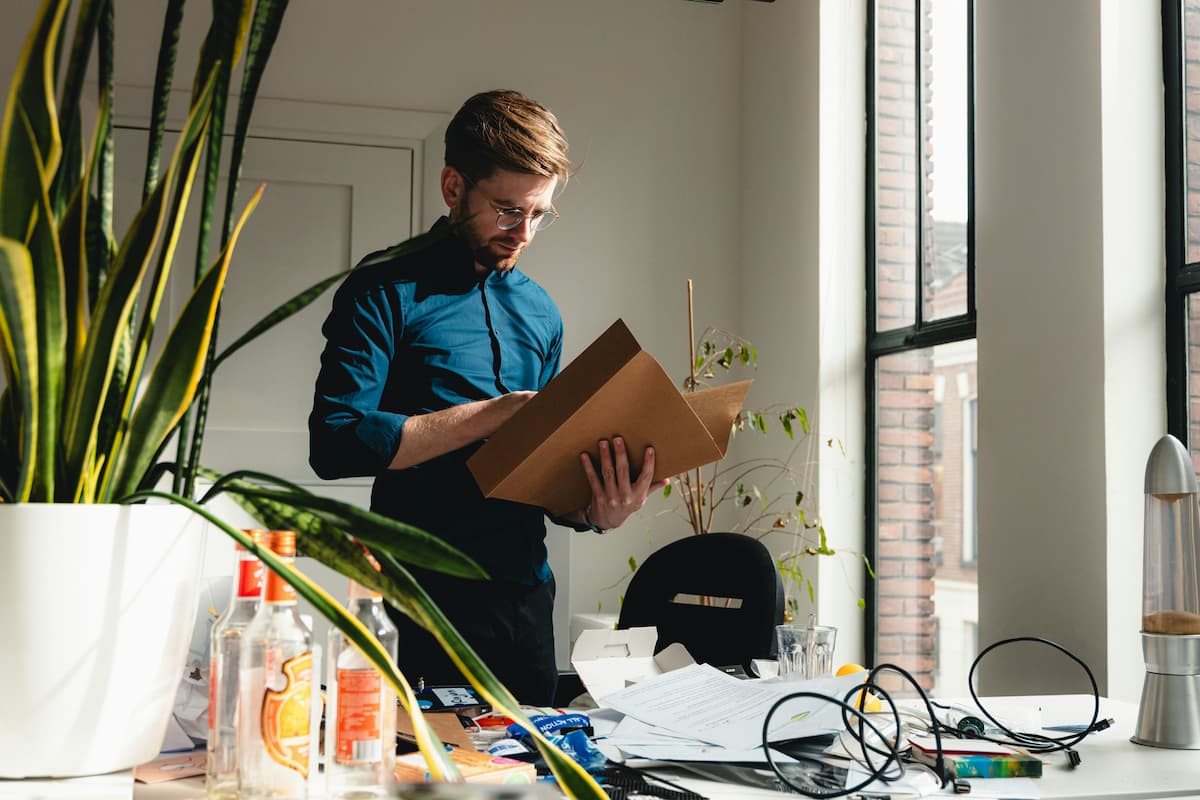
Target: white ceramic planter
[(96, 609)]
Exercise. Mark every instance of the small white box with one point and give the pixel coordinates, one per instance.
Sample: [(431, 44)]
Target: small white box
[(609, 660)]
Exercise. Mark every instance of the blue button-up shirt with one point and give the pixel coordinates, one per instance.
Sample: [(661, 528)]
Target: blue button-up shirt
[(418, 334)]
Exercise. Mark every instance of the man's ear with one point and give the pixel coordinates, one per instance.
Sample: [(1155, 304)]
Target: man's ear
[(454, 187)]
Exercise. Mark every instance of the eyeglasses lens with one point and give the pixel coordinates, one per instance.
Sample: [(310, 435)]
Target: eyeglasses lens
[(507, 220)]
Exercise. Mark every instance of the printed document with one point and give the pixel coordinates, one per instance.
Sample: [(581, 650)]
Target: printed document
[(701, 702)]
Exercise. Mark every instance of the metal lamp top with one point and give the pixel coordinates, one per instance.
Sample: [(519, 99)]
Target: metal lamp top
[(1169, 468)]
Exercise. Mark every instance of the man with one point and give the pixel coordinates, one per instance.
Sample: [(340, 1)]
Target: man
[(427, 355)]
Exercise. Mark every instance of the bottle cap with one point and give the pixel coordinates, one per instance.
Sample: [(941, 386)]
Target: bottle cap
[(282, 543), (256, 535)]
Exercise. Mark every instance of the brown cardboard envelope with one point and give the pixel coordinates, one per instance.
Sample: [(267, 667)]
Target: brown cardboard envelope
[(612, 388)]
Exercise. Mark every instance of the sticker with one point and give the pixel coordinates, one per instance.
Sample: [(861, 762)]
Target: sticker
[(285, 715), (358, 717)]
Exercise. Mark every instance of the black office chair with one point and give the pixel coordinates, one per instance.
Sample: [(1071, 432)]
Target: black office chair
[(719, 566)]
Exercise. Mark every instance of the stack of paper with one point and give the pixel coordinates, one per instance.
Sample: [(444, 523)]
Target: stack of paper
[(698, 713)]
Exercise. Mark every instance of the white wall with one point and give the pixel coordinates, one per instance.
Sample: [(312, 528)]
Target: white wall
[(802, 272), (1069, 236)]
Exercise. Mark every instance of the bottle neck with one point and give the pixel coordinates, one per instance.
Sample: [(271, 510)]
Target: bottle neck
[(279, 591), (360, 592)]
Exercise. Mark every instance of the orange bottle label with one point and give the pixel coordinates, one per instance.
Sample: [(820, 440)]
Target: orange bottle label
[(285, 715), (250, 578), (358, 717)]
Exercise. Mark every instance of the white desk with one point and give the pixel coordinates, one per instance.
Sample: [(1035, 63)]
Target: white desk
[(1113, 768)]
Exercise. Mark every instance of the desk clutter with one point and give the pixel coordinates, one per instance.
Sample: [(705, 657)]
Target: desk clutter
[(803, 728)]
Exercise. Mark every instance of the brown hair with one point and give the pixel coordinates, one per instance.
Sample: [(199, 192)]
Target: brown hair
[(506, 130)]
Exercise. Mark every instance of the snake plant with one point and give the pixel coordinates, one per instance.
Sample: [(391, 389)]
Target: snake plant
[(86, 412)]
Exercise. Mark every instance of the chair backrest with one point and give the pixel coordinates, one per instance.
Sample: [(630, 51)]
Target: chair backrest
[(724, 567)]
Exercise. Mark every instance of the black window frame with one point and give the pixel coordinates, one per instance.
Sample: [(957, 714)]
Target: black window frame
[(922, 333), (1182, 278)]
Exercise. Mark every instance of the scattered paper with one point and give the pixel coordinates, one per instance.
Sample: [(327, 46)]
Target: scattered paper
[(171, 768), (701, 702)]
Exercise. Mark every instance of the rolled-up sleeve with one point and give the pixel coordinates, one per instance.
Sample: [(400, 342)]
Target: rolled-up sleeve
[(349, 436)]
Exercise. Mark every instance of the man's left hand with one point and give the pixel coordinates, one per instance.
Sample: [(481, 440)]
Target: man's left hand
[(614, 496)]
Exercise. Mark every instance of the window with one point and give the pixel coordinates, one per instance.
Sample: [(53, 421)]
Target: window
[(921, 337), (1181, 63)]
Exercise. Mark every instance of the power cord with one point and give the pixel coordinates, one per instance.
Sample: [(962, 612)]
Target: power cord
[(966, 727)]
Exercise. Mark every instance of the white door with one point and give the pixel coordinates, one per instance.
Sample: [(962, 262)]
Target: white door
[(325, 206)]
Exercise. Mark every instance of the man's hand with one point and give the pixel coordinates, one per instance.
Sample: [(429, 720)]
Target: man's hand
[(614, 497)]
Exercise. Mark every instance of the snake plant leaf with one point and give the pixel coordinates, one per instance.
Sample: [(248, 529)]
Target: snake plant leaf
[(31, 96), (73, 236), (44, 252), (18, 345), (173, 381), (305, 298), (440, 765), (416, 243), (230, 23), (114, 306), (226, 33), (408, 543), (164, 73), (105, 56), (288, 309), (70, 124), (264, 30)]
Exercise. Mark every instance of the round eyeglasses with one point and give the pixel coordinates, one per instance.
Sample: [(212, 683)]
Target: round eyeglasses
[(509, 218)]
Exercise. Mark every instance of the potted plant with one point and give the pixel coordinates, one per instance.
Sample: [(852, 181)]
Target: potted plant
[(86, 413), (766, 496)]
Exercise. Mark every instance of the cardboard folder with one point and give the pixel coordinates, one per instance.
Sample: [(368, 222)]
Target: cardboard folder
[(613, 388)]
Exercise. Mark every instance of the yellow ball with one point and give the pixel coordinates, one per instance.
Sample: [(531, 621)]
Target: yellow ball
[(872, 702)]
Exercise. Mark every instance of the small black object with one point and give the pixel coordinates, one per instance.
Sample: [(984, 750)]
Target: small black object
[(1073, 759), (620, 781)]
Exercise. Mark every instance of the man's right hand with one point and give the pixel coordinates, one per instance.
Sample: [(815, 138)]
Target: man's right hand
[(426, 436)]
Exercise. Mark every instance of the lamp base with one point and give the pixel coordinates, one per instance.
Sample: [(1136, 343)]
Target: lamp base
[(1169, 715)]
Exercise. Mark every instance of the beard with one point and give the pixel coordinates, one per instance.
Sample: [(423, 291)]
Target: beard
[(488, 252), (494, 258)]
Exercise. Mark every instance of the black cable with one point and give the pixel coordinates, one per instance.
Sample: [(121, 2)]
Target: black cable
[(1033, 742), (1036, 742), (893, 756)]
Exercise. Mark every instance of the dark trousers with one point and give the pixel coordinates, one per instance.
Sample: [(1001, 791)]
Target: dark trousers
[(509, 625)]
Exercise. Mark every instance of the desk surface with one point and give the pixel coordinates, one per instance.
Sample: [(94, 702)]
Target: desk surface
[(1113, 768)]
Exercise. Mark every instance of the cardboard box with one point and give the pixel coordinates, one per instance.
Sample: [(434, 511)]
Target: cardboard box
[(613, 388), (446, 724), (475, 768), (609, 660)]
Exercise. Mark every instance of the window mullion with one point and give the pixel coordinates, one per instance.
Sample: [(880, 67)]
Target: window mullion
[(919, 140)]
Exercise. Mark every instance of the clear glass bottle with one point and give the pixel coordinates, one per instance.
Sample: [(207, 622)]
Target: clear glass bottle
[(276, 691), (221, 777), (360, 723)]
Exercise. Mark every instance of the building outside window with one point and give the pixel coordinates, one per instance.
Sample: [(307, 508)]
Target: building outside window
[(921, 340)]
